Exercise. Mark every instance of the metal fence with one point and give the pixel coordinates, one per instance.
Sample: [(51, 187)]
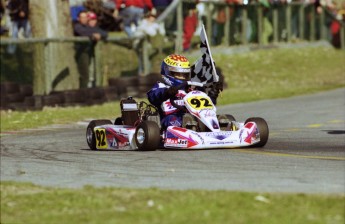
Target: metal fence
[(288, 22)]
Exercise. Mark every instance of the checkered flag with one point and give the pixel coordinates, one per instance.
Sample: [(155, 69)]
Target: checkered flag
[(204, 70)]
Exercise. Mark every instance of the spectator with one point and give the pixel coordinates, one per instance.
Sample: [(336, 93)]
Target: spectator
[(160, 5), (336, 26), (85, 52), (170, 20), (131, 12), (19, 13), (2, 13), (218, 21), (151, 28), (267, 28), (76, 6), (190, 23)]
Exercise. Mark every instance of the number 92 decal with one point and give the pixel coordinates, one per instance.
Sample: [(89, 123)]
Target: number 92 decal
[(200, 103), (101, 140)]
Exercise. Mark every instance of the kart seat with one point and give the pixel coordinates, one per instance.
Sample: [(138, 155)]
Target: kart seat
[(129, 111)]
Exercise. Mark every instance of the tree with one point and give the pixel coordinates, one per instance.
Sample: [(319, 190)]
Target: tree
[(54, 64)]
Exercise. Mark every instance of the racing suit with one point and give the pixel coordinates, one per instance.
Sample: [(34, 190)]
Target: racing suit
[(159, 96)]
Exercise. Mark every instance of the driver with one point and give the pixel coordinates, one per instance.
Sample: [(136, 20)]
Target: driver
[(175, 71)]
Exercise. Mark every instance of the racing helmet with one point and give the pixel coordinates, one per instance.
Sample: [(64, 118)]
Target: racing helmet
[(175, 70)]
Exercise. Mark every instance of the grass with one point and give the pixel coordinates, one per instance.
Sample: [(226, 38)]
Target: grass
[(27, 203), (263, 74)]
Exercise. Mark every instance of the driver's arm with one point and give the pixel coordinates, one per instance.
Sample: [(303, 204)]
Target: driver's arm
[(160, 93)]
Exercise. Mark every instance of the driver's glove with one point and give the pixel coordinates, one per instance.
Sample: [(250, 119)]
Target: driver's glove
[(215, 90), (213, 94), (170, 92)]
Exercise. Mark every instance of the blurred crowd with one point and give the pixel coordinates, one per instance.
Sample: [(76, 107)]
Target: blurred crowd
[(128, 15), (334, 11), (95, 18), (136, 17)]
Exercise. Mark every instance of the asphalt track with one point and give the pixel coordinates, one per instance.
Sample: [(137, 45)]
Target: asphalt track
[(305, 153)]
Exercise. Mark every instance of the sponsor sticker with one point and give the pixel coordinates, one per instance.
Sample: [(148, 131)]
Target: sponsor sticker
[(176, 142)]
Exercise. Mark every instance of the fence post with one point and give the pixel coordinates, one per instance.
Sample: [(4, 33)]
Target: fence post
[(275, 24), (260, 23), (244, 24), (47, 70), (179, 35), (288, 22), (342, 37), (301, 15), (322, 25), (98, 76), (146, 60), (39, 82), (227, 25), (312, 23), (208, 21)]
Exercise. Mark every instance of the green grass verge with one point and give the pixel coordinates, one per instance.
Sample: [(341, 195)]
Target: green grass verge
[(27, 203)]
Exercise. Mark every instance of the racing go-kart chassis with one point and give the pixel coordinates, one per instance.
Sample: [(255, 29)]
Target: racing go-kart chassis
[(139, 127)]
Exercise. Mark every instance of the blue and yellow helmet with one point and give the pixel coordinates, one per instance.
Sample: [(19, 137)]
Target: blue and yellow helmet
[(175, 69)]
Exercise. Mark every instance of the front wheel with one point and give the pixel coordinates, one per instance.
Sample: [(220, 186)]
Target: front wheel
[(147, 136), (90, 134), (263, 130)]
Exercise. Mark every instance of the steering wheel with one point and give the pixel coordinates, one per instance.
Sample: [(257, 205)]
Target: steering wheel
[(173, 98)]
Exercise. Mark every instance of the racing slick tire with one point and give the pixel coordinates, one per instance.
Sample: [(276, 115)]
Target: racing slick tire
[(263, 130), (118, 121), (90, 134), (147, 136)]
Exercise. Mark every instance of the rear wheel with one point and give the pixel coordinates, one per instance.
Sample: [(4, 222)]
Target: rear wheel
[(147, 136), (90, 134), (118, 121), (263, 130)]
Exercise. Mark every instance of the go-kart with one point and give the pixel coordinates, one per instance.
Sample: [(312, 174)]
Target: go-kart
[(139, 127)]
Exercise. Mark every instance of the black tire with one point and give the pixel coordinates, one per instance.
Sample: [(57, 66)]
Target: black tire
[(15, 97), (110, 93), (90, 134), (147, 136), (26, 90), (118, 121), (53, 100), (74, 96), (9, 88), (263, 130)]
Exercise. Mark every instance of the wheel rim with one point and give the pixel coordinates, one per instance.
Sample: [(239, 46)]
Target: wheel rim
[(140, 136), (89, 135)]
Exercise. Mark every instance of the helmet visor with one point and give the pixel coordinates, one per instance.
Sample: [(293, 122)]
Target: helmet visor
[(185, 76)]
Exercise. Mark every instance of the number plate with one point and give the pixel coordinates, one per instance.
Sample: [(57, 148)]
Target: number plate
[(200, 102), (101, 139)]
